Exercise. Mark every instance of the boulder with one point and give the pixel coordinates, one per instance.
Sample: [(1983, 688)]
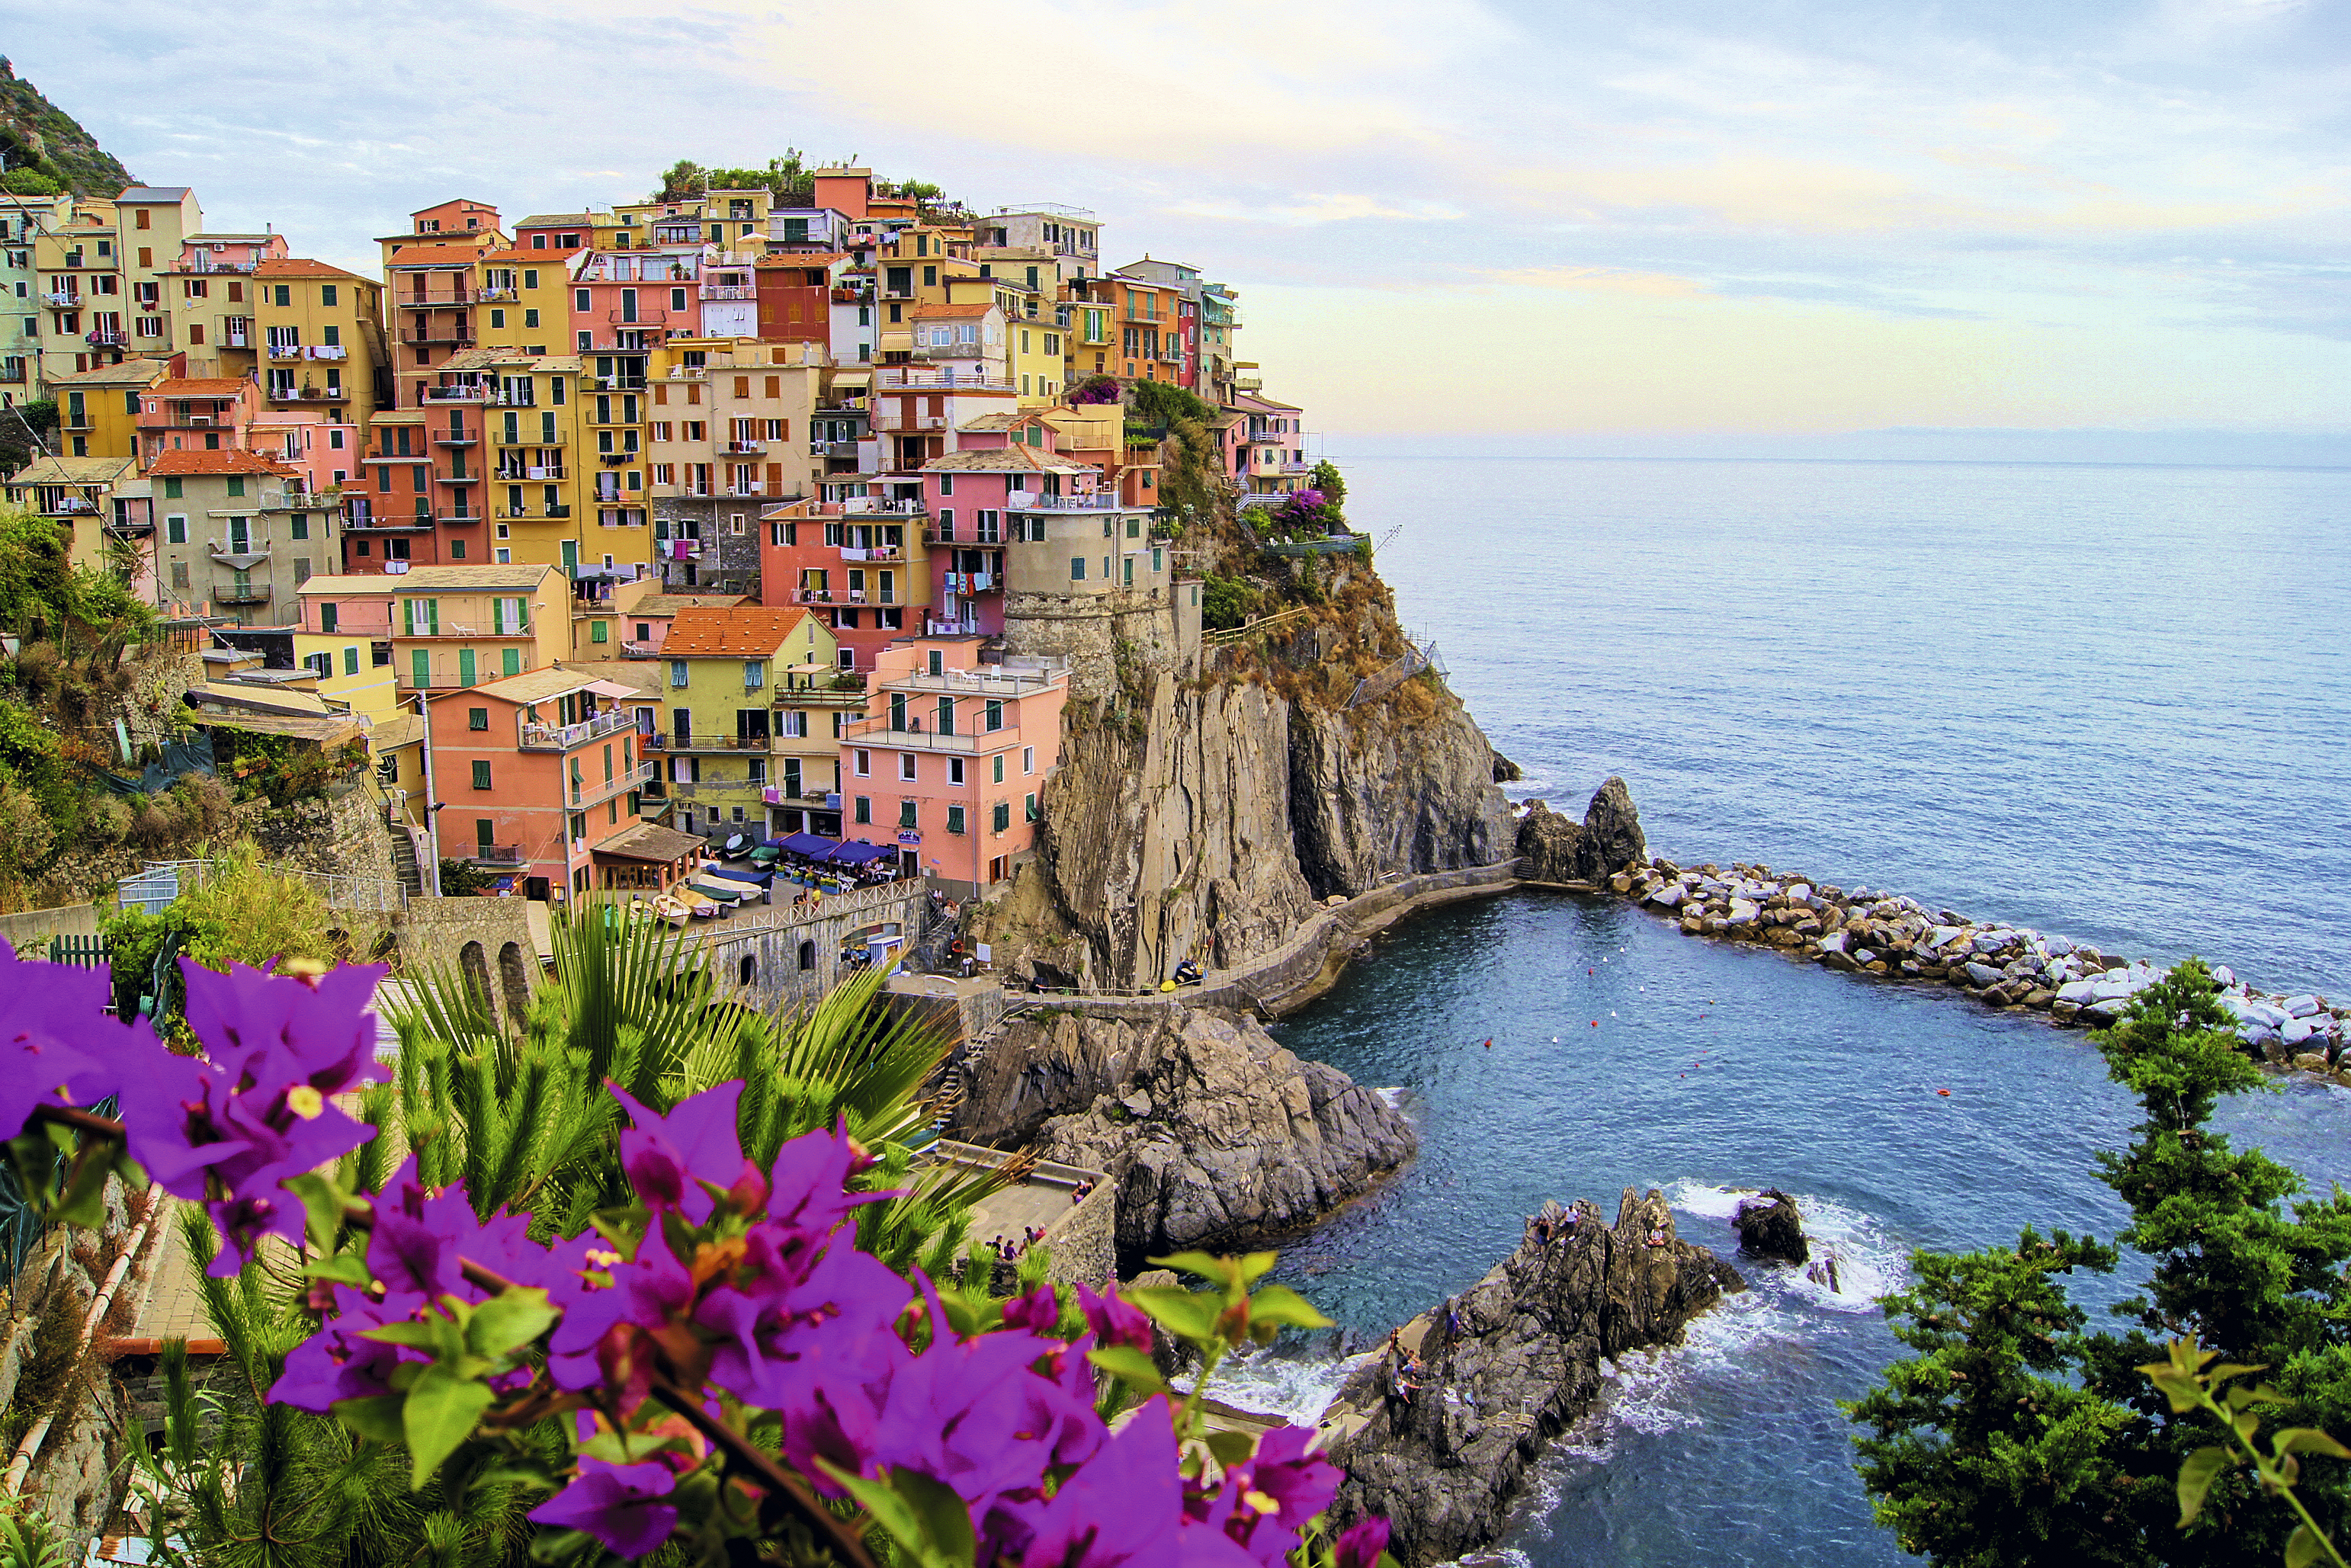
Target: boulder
[(1612, 830), (1212, 1133), (1982, 975), (1770, 1227), (1505, 1368)]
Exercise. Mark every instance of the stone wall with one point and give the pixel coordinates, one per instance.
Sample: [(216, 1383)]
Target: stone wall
[(1155, 630), (29, 930), (488, 940), (793, 951), (342, 835)]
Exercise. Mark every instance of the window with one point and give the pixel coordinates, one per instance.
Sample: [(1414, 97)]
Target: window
[(600, 631), (1077, 569), (171, 490), (995, 768), (300, 526), (582, 300), (908, 821), (1029, 807), (326, 294), (678, 670), (955, 819), (754, 675), (481, 775), (954, 770), (175, 529), (863, 811), (1000, 816), (994, 719), (861, 763), (478, 718), (351, 661), (906, 766), (808, 955), (1027, 759)]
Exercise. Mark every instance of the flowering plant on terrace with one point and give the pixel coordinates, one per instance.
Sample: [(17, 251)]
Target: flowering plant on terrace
[(730, 1378)]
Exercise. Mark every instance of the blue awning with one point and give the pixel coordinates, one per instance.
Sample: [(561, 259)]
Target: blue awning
[(858, 853), (815, 844)]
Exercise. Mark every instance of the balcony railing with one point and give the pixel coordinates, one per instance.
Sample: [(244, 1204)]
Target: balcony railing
[(643, 316), (250, 593), (525, 474), (495, 294), (458, 394), (389, 523), (456, 438), (108, 337), (231, 552), (873, 552), (1095, 501), (562, 738), (729, 291), (833, 449), (910, 421), (759, 743), (284, 350), (744, 448), (689, 373), (867, 506), (456, 333), (431, 298), (596, 791), (950, 628), (496, 854), (280, 392), (879, 732), (59, 299)]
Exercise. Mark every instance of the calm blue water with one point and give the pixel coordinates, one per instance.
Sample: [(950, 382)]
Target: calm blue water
[(2103, 700)]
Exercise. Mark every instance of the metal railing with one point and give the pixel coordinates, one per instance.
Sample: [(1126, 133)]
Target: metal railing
[(561, 738)]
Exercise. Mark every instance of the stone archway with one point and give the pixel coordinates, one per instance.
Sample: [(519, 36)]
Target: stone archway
[(476, 968), (515, 979)]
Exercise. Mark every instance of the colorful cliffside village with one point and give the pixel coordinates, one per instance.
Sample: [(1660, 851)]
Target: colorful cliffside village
[(623, 530)]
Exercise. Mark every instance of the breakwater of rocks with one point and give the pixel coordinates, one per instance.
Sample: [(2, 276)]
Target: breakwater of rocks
[(1867, 931)]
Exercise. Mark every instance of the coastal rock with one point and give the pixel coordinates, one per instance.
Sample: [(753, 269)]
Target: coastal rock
[(1508, 1366), (1214, 1134), (1606, 842), (1770, 1227)]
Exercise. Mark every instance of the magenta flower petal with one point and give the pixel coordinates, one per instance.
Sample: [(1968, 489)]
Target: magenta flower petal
[(1360, 1545), (668, 1158), (619, 1505)]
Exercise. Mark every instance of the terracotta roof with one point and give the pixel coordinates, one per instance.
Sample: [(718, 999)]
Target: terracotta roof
[(200, 386), (744, 630), (128, 373), (169, 464), (1006, 460), (800, 258), (303, 267)]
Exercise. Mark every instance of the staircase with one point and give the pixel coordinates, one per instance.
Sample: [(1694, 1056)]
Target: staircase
[(403, 862)]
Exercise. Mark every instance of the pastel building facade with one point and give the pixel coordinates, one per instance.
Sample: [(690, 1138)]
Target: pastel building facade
[(742, 685), (950, 759)]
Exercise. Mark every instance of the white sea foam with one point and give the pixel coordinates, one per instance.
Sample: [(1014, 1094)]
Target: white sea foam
[(1394, 1097), (1297, 1390), (1870, 1264)]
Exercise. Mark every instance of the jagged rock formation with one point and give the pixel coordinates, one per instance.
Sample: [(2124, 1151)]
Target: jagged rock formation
[(43, 139), (1213, 1134), (1770, 1227), (1207, 822), (1558, 849), (1506, 1365)]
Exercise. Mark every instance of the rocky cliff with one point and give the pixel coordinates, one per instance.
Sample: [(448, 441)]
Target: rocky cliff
[(1203, 813), (1506, 1365), (1559, 849), (1212, 1133)]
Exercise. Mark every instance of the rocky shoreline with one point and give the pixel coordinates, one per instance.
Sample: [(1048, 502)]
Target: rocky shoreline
[(1889, 935)]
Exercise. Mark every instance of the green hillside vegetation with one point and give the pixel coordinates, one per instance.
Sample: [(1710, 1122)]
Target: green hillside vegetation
[(46, 150)]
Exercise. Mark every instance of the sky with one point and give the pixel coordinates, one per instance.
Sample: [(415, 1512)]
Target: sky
[(1767, 220)]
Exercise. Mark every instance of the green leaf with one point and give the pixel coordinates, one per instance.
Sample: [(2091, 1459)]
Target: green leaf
[(1232, 1447), (323, 1204), (1130, 1367), (2221, 1373), (2302, 1547), (2306, 1440), (441, 1414), (1183, 1313), (342, 1269), (1280, 1305), (377, 1419), (509, 1320), (1206, 1265), (415, 1336), (84, 1202), (922, 1515), (2196, 1478)]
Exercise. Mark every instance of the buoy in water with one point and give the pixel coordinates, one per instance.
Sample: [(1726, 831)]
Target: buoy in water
[(1944, 1093)]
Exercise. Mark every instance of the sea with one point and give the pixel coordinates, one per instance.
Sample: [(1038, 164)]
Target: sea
[(2104, 701)]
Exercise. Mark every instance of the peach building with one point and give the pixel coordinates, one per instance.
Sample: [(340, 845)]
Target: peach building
[(951, 759)]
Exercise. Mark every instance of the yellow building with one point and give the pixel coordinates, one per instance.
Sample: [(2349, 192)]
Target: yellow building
[(737, 679), (352, 669), (449, 626), (319, 334), (98, 409)]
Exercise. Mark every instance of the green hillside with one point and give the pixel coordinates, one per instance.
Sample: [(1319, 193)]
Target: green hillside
[(46, 150)]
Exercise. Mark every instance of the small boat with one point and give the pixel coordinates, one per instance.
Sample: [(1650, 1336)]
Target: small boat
[(736, 844)]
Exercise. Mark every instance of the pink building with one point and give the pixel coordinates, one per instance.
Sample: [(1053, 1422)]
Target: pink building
[(982, 499), (951, 759)]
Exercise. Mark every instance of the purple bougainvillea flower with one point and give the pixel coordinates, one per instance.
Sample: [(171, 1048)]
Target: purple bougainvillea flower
[(276, 1031), (668, 1158), (808, 1187), (973, 1414), (56, 1044), (622, 1506), (1124, 1509), (1039, 1312), (1267, 1498), (1360, 1545), (1114, 1320), (336, 1364)]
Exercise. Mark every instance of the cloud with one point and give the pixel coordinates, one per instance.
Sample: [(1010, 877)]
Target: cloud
[(1326, 207)]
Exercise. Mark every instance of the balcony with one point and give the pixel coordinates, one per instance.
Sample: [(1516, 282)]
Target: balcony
[(689, 373), (873, 552), (388, 523), (643, 316), (239, 553), (759, 743), (455, 438), (618, 383), (501, 296), (236, 340), (71, 507), (432, 299), (878, 732), (895, 422), (464, 520), (11, 373), (950, 628), (523, 475), (205, 265), (284, 350), (833, 449), (868, 507), (243, 594), (458, 394), (563, 737), (596, 791), (456, 334), (1097, 501), (729, 291), (56, 299), (109, 338), (970, 683), (744, 448), (497, 856), (280, 392)]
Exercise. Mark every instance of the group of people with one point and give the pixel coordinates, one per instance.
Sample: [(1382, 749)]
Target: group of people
[(1406, 1369), (1548, 1230), (1081, 1192), (1008, 1250)]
